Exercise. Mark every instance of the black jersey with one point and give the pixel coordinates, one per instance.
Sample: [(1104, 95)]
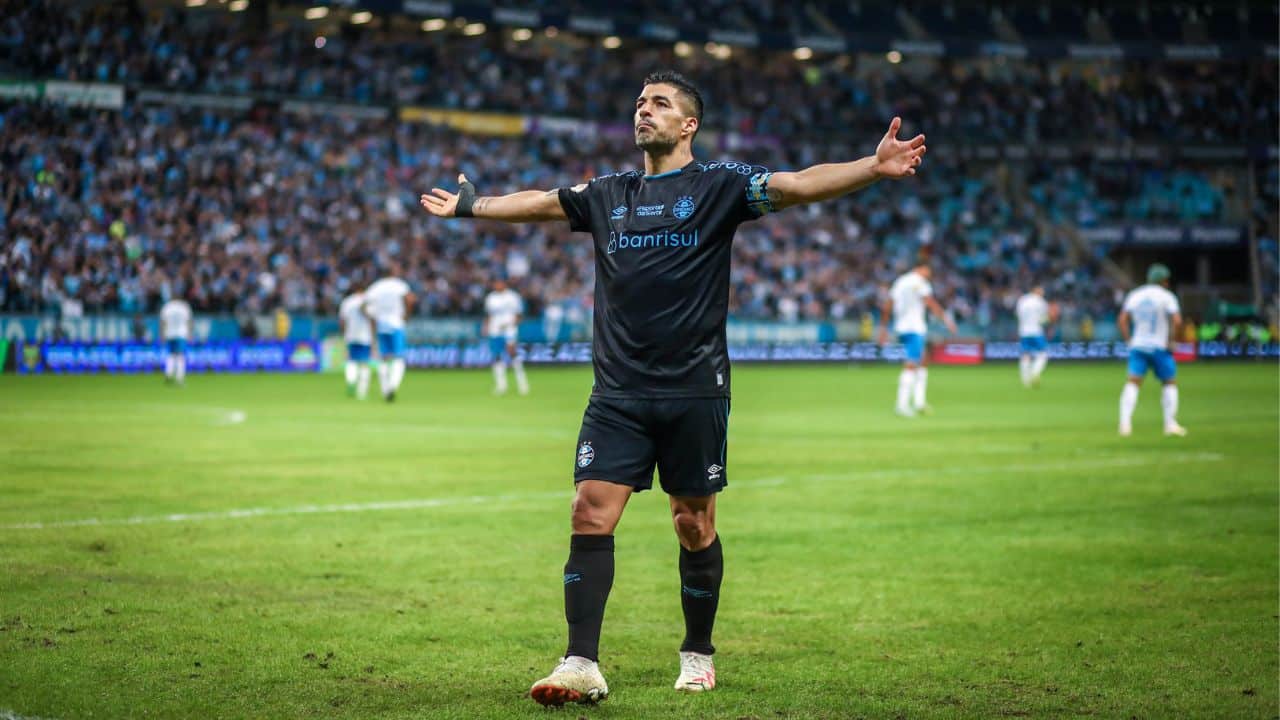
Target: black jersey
[(662, 247)]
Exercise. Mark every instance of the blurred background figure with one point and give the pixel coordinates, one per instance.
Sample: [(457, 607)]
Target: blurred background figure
[(503, 309), (1033, 312), (357, 331), (387, 302), (175, 329)]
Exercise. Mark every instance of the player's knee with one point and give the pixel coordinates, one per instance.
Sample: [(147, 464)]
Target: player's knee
[(695, 529), (589, 518)]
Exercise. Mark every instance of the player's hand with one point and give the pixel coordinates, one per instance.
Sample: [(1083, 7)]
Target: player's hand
[(951, 326), (896, 158), (440, 202), (883, 338)]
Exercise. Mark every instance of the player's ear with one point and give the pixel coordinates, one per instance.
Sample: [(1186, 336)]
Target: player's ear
[(691, 125)]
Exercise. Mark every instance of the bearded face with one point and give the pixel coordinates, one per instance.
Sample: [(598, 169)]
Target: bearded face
[(661, 119)]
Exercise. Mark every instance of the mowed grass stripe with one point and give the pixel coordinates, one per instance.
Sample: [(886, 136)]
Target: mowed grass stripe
[(502, 500), (1009, 556)]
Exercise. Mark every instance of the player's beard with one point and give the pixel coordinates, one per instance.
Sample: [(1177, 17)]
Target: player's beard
[(654, 142)]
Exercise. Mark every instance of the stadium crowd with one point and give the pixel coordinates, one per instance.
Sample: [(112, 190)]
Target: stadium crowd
[(245, 213), (759, 92), (120, 210)]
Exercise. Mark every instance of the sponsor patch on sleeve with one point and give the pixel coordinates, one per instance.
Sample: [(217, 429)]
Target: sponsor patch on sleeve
[(758, 194)]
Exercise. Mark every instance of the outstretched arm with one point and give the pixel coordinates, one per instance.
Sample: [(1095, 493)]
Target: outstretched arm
[(894, 159), (939, 313), (886, 312), (519, 207)]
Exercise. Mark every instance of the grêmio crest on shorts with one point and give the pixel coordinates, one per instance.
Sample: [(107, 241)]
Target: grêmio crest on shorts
[(662, 249)]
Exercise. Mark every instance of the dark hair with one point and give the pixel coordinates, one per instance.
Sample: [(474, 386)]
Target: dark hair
[(681, 83)]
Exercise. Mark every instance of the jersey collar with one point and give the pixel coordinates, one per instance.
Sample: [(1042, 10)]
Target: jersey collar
[(669, 173)]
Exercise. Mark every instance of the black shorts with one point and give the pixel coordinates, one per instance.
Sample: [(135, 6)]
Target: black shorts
[(686, 438)]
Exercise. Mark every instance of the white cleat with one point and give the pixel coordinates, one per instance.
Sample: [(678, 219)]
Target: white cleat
[(905, 412), (575, 679), (697, 672), (1174, 430), (1126, 429)]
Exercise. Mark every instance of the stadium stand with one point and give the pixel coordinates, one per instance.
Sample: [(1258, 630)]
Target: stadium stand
[(244, 210)]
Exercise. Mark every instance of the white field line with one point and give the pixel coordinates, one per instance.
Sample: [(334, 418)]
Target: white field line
[(427, 503), (11, 715), (231, 417), (1083, 464)]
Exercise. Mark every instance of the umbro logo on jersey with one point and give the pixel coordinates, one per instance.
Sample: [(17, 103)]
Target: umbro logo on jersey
[(713, 472), (619, 212)]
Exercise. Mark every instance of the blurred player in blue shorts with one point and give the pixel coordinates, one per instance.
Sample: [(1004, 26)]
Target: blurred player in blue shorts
[(910, 294), (175, 329), (387, 302), (1033, 314), (503, 308), (1149, 318), (357, 331)]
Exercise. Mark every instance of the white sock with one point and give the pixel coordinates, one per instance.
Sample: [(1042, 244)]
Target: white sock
[(180, 368), (906, 380), (362, 381), (1024, 369), (350, 372), (397, 373), (1037, 368), (922, 381), (499, 377), (168, 367), (1169, 403), (1128, 401), (522, 382), (384, 376)]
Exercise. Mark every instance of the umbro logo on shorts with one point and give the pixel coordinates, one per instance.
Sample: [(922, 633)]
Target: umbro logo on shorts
[(713, 472)]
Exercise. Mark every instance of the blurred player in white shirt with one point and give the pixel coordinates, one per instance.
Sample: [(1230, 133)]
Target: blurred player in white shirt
[(1149, 317), (909, 297), (503, 308), (175, 329), (357, 331), (1033, 313), (387, 302)]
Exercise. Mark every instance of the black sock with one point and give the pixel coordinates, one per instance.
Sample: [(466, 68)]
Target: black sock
[(588, 577), (700, 575)]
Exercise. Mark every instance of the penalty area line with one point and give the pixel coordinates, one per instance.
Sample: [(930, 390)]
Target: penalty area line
[(247, 513), (440, 502), (11, 715), (1059, 466)]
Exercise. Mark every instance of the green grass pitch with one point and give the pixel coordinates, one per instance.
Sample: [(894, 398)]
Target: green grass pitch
[(1007, 556)]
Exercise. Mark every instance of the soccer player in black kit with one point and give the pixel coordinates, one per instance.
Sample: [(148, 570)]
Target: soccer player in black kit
[(661, 393)]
